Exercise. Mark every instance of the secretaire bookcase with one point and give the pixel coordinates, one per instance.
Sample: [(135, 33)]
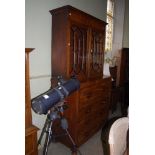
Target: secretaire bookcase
[(78, 49)]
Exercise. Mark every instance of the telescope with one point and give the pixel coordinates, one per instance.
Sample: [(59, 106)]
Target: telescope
[(44, 102)]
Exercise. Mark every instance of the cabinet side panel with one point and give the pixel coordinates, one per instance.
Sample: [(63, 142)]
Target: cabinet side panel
[(59, 44)]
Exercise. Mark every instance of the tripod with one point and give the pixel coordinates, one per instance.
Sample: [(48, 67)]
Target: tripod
[(53, 114)]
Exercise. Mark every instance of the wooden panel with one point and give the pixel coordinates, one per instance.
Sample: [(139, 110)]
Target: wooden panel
[(30, 130), (28, 117), (30, 142), (124, 68), (124, 78), (59, 44), (79, 16)]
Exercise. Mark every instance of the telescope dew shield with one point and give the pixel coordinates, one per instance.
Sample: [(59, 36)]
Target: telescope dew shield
[(42, 103)]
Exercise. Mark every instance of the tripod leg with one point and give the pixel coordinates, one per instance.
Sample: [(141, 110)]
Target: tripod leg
[(48, 137), (70, 138), (74, 153), (43, 131), (64, 125), (74, 149)]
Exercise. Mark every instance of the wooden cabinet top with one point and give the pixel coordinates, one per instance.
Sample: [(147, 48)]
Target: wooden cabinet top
[(28, 50), (70, 10)]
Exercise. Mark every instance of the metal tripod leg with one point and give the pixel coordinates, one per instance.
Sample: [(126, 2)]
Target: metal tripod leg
[(43, 131), (64, 126), (48, 130), (74, 149), (48, 137)]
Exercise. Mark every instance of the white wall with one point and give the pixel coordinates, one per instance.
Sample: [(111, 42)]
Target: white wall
[(126, 25), (118, 25), (38, 36)]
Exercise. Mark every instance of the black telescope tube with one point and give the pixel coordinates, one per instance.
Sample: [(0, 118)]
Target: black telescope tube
[(42, 103)]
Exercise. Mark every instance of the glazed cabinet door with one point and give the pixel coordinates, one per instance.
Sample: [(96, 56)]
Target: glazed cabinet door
[(96, 53), (78, 51)]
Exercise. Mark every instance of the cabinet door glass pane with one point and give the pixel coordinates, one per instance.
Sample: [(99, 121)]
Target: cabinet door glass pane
[(78, 51), (96, 54)]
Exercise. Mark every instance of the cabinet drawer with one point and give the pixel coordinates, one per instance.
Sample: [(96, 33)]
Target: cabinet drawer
[(95, 101), (87, 129), (84, 113), (90, 109), (83, 136), (94, 87), (91, 96)]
